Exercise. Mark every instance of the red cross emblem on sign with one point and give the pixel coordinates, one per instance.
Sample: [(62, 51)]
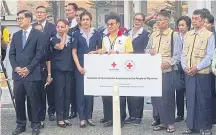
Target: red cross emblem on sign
[(113, 64), (129, 65)]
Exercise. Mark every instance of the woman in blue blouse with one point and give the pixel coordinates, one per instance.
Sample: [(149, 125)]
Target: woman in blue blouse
[(62, 71), (85, 41)]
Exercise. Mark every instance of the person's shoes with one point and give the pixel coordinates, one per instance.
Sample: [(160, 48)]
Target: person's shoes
[(129, 120), (103, 120), (137, 122), (61, 125), (179, 119), (18, 131), (90, 123), (82, 125), (67, 123), (42, 125), (188, 131), (155, 123), (35, 132), (205, 132), (51, 117), (108, 123), (73, 115)]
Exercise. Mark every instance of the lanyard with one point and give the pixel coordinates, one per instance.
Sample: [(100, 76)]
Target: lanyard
[(112, 43)]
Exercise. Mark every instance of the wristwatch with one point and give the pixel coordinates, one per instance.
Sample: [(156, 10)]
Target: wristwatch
[(117, 52)]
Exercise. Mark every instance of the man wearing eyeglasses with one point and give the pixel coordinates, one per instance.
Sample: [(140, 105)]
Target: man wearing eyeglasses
[(167, 43), (26, 53), (50, 31), (115, 42)]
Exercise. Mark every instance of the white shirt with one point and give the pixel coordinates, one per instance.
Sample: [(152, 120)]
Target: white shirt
[(73, 23), (28, 32), (137, 33), (43, 24)]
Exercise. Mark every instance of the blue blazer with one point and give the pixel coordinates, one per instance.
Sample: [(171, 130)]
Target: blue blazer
[(80, 43), (50, 31), (62, 59), (30, 56), (140, 42)]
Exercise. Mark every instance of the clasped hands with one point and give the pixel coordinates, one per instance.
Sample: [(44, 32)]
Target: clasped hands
[(191, 71), (23, 72)]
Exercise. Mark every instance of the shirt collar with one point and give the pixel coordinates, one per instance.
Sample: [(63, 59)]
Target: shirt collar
[(91, 30), (43, 24), (137, 33), (166, 32), (194, 32), (105, 31), (73, 22), (28, 30)]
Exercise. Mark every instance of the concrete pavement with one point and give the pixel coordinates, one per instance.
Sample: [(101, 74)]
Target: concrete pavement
[(8, 123)]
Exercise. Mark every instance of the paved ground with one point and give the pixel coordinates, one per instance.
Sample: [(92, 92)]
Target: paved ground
[(8, 124)]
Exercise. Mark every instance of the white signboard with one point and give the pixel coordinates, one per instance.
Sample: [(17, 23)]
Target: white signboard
[(137, 74)]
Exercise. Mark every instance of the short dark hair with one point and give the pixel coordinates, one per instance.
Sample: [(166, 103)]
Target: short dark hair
[(210, 18), (63, 20), (143, 16), (113, 15), (26, 13), (40, 7), (206, 11), (164, 13), (74, 6), (200, 12), (186, 19), (86, 13)]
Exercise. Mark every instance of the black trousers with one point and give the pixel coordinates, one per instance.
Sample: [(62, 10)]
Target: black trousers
[(62, 85), (45, 94), (135, 106), (180, 94), (108, 108), (73, 104), (29, 88), (213, 98)]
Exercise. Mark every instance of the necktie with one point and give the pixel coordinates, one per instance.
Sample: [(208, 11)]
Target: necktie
[(24, 38)]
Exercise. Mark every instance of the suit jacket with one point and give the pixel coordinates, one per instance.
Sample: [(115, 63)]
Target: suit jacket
[(30, 56), (50, 31)]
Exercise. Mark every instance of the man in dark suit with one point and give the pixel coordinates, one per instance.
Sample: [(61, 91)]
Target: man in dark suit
[(26, 53), (50, 30)]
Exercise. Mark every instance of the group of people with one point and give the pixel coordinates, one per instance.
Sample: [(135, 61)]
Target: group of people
[(48, 62)]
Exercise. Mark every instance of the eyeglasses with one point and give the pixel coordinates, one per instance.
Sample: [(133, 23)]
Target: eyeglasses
[(111, 24), (20, 18), (138, 20)]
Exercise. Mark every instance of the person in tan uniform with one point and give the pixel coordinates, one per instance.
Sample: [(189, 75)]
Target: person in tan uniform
[(196, 58), (167, 43)]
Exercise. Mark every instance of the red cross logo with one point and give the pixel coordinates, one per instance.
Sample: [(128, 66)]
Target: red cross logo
[(129, 65), (113, 64)]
